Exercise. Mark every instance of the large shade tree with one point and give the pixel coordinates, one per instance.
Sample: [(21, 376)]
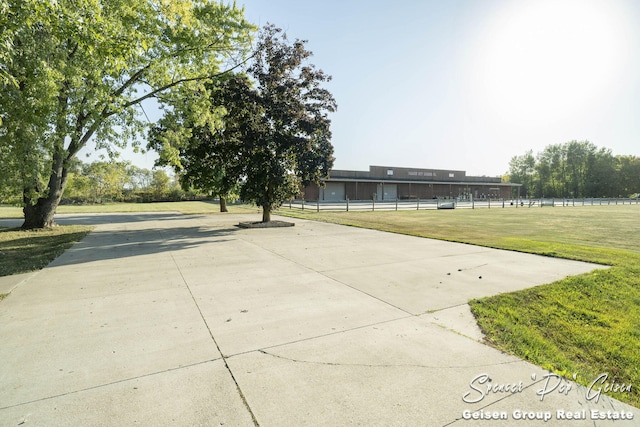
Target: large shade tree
[(274, 136), (75, 72), (208, 157), (291, 147)]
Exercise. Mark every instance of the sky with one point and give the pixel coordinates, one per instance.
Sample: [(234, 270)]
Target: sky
[(468, 84)]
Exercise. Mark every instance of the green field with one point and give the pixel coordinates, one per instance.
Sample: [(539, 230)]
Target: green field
[(585, 325), (195, 207)]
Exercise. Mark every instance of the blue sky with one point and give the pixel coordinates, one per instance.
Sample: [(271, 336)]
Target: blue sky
[(468, 84)]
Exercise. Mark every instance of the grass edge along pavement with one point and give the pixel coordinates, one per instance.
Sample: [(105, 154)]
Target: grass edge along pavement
[(580, 327), (584, 325), (26, 251)]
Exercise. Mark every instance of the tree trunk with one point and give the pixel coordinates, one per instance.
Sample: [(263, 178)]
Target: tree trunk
[(266, 213), (40, 214), (223, 204)]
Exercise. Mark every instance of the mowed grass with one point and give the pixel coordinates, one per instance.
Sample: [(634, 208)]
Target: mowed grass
[(188, 208), (584, 325), (25, 251)]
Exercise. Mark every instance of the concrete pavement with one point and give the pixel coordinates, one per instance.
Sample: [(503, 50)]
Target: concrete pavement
[(166, 319)]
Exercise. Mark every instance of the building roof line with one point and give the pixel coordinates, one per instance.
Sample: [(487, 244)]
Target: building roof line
[(395, 181)]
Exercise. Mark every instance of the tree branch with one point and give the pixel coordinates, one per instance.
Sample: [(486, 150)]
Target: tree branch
[(177, 82), (106, 113)]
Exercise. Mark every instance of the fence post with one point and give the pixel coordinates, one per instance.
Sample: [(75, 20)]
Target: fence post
[(489, 199), (502, 203), (396, 204), (318, 205), (473, 202), (347, 204), (303, 203), (373, 203)]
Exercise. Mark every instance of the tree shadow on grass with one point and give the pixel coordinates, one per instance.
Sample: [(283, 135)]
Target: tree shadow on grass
[(34, 251)]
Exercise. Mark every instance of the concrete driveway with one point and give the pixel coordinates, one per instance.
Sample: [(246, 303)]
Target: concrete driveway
[(174, 320)]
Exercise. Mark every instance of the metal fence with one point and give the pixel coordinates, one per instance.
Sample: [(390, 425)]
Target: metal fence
[(416, 204)]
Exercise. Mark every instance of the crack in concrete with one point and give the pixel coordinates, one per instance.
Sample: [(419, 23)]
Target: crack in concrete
[(224, 359), (355, 328), (150, 374), (387, 365), (333, 279)]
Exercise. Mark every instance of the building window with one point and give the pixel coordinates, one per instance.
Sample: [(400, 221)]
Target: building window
[(389, 172), (452, 175)]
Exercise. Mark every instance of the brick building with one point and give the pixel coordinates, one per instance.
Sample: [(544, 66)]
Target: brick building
[(391, 183)]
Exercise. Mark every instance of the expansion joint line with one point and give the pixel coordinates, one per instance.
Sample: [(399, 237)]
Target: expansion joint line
[(224, 358), (333, 279)]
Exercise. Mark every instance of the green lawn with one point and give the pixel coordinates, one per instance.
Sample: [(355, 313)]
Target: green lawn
[(194, 207), (584, 325), (24, 251)]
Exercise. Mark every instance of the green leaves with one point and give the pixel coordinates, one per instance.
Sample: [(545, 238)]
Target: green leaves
[(290, 144), (576, 169), (75, 71), (268, 129)]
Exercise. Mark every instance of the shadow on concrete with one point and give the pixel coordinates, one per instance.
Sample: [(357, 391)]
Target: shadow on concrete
[(108, 245), (101, 218), (117, 218)]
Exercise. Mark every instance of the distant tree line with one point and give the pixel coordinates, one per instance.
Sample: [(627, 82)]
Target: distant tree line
[(117, 181), (575, 169)]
